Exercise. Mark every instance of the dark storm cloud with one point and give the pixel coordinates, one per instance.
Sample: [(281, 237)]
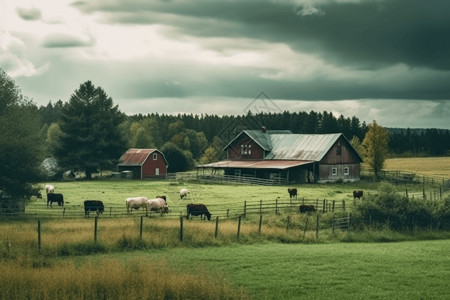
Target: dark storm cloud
[(29, 14), (366, 35)]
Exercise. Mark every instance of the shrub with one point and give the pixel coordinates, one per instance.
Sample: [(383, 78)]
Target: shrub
[(389, 209)]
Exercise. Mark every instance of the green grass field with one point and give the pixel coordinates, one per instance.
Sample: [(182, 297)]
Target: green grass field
[(278, 264), (218, 197), (407, 270)]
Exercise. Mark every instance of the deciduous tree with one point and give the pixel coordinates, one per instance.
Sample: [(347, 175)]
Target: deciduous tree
[(20, 144), (376, 146)]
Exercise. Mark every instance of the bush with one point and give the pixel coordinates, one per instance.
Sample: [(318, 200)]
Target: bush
[(389, 209)]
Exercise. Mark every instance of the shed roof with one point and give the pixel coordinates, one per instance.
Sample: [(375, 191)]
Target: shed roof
[(137, 157)]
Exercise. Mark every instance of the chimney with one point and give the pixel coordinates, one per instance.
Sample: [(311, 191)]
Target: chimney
[(263, 129)]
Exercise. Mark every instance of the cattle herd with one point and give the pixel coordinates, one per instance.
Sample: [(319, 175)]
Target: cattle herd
[(159, 203)]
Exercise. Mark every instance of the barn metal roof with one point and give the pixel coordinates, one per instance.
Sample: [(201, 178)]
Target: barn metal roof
[(310, 147), (136, 157), (256, 164)]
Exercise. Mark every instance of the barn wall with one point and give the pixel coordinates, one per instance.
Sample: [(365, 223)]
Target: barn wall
[(340, 153), (245, 148), (149, 167), (332, 173)]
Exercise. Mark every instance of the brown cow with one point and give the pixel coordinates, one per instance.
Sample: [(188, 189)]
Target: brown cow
[(357, 194), (307, 208), (292, 192), (197, 210)]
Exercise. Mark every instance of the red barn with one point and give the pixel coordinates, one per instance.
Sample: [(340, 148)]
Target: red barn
[(144, 163)]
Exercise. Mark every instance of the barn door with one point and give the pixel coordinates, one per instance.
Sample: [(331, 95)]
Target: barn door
[(156, 171)]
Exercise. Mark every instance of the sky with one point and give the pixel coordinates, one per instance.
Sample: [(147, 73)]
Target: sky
[(382, 60)]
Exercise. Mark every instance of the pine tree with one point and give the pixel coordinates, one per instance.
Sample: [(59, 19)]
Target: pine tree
[(91, 139)]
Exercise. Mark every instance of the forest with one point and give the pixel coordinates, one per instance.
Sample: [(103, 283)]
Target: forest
[(193, 133)]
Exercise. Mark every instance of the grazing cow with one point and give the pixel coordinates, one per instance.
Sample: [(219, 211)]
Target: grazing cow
[(49, 189), (357, 194), (93, 205), (157, 204), (307, 208), (197, 210), (183, 193), (52, 197), (292, 192), (136, 203)]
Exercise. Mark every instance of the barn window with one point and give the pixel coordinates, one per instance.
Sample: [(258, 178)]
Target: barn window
[(155, 156), (346, 171), (334, 171)]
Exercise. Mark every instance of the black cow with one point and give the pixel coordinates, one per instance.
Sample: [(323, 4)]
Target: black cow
[(292, 192), (307, 208), (93, 205), (197, 210), (357, 194), (55, 198)]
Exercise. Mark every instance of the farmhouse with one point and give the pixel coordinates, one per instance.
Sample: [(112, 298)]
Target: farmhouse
[(143, 163), (294, 158)]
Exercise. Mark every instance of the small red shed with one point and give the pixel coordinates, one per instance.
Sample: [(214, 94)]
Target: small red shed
[(144, 163)]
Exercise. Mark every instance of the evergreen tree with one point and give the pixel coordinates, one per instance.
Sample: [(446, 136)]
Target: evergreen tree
[(91, 140)]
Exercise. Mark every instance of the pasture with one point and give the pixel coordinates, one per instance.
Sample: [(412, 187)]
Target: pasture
[(279, 262), (219, 198), (428, 166)]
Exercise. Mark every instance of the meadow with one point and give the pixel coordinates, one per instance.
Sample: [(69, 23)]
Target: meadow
[(270, 262), (429, 166)]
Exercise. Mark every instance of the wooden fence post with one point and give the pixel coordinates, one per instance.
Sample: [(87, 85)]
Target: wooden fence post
[(407, 193), (217, 227), (276, 206), (140, 228), (332, 209), (110, 212), (239, 227), (245, 208), (323, 206), (343, 205), (39, 235), (95, 228), (181, 228), (228, 213), (64, 211), (260, 224), (288, 222)]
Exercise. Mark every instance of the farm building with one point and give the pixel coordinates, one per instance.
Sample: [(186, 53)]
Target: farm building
[(143, 163), (294, 158)]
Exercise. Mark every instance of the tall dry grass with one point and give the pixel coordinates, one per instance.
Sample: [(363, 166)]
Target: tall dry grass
[(65, 237), (111, 279)]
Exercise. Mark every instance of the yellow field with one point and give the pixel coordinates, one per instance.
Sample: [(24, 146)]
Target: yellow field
[(430, 166)]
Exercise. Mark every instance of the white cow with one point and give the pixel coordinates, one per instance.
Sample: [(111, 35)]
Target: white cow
[(135, 203), (49, 189), (183, 193), (157, 204)]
